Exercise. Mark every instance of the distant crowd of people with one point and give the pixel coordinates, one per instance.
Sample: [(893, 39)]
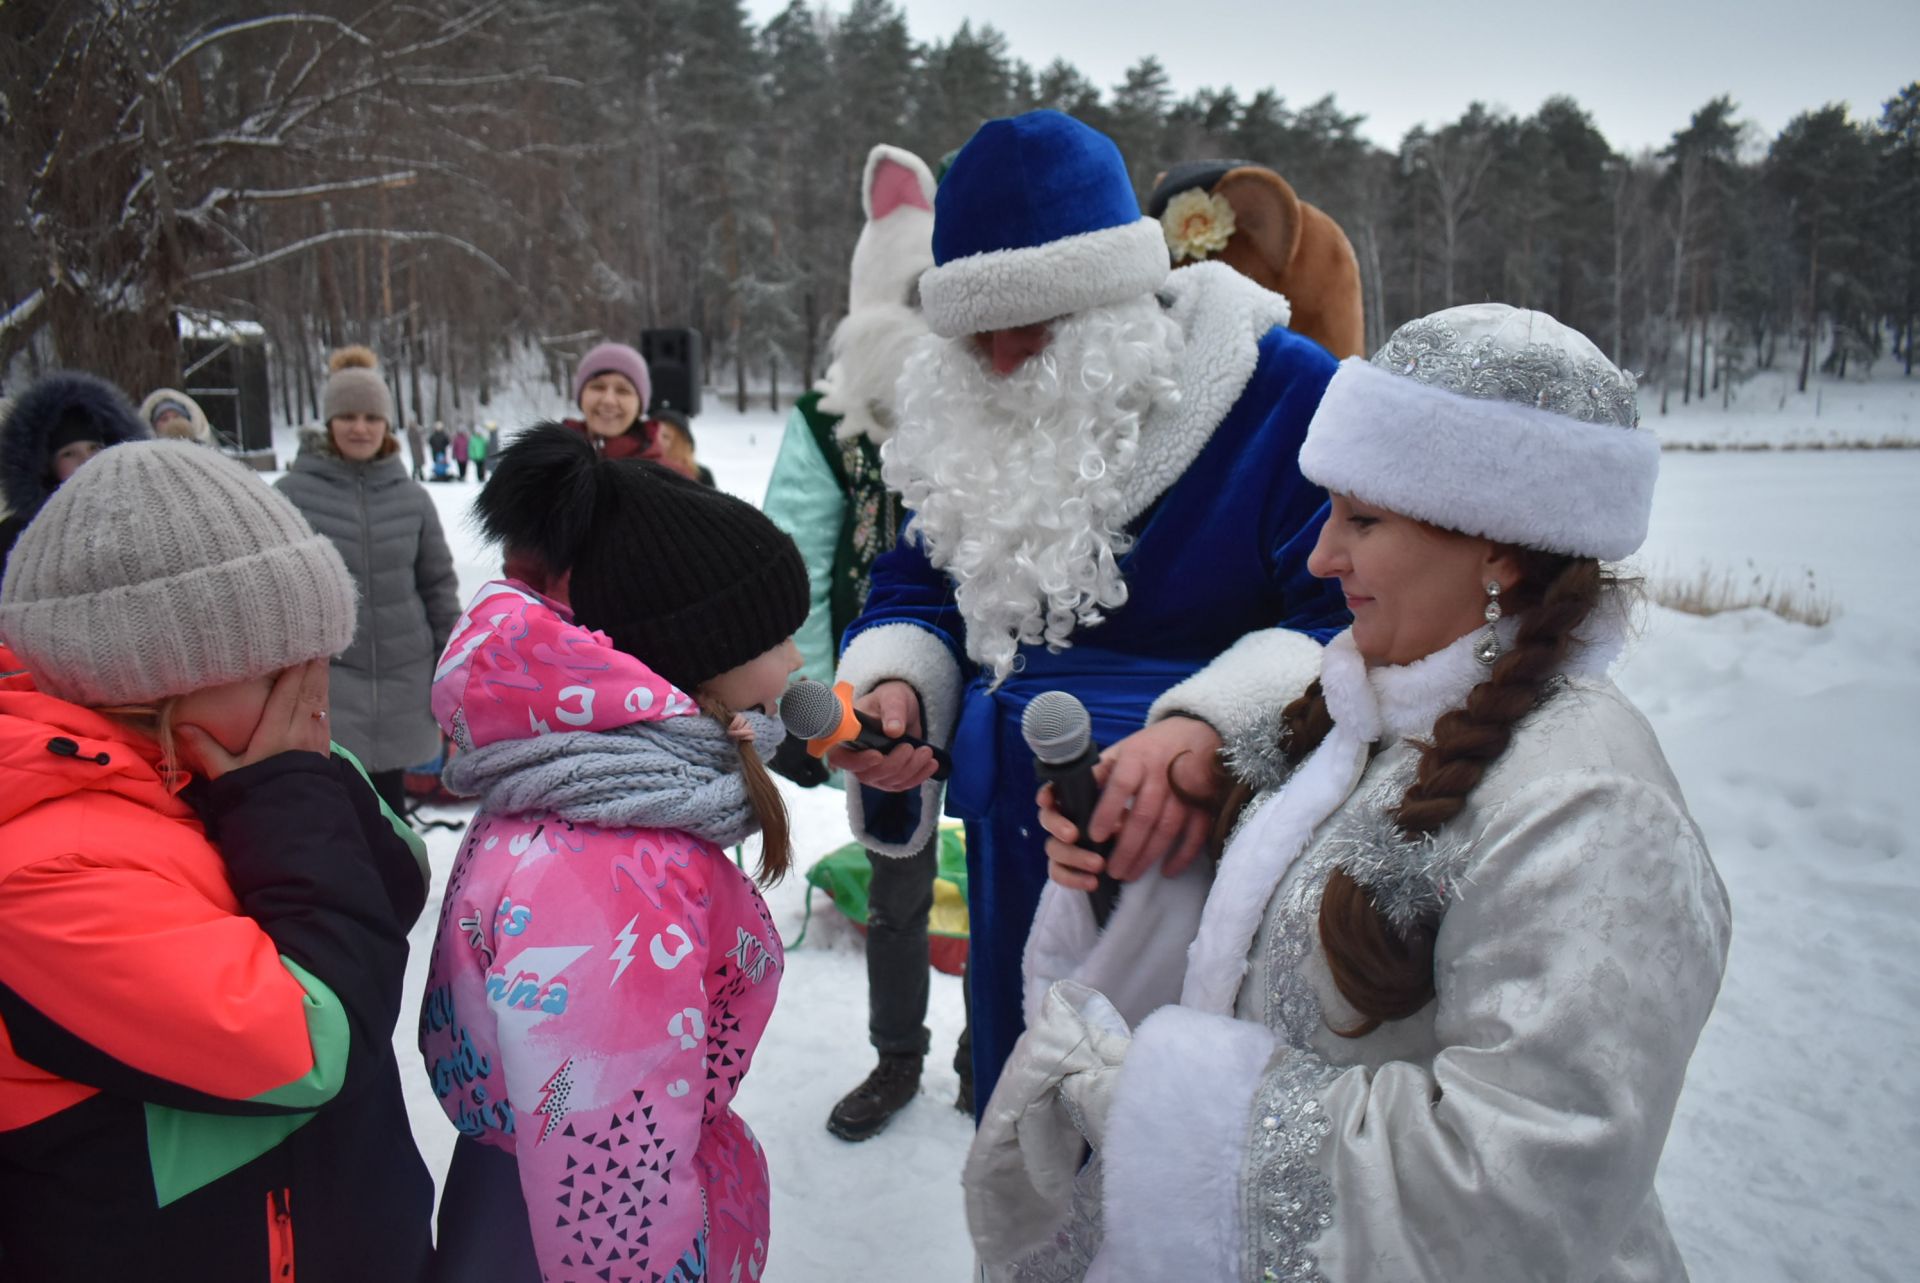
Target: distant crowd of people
[(1364, 932)]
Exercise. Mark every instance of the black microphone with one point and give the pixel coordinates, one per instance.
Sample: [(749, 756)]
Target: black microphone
[(1058, 730), (825, 716)]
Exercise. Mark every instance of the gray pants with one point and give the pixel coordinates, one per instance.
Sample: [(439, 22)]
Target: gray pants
[(899, 901)]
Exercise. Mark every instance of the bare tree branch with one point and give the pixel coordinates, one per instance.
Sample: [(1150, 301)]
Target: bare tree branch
[(200, 42), (19, 318), (345, 234)]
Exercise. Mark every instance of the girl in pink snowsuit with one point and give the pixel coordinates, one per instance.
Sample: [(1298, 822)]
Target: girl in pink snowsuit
[(603, 971)]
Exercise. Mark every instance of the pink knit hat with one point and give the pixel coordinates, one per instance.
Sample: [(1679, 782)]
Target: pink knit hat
[(613, 358)]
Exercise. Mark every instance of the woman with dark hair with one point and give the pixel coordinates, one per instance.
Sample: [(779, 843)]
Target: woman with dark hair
[(1441, 994)]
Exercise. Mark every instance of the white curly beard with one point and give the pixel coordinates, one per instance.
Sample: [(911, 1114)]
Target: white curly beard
[(1016, 484)]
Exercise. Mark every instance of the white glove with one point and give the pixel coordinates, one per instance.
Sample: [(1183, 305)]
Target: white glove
[(1087, 1094), (1020, 1170)]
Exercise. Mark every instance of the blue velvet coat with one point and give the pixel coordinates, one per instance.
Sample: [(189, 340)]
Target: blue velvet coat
[(1221, 553)]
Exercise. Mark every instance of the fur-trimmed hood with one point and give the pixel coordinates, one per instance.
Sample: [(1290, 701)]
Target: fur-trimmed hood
[(25, 479), (202, 430)]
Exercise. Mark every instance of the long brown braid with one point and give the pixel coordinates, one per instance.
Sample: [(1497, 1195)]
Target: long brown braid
[(1381, 973)]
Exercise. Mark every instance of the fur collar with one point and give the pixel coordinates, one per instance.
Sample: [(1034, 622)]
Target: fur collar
[(1223, 316), (1367, 706)]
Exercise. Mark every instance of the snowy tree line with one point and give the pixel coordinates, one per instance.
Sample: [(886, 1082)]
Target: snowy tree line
[(455, 181)]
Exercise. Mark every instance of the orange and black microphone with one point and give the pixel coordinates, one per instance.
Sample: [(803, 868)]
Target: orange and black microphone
[(825, 716)]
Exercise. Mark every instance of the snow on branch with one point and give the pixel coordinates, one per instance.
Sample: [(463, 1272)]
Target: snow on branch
[(376, 182), (21, 314), (344, 234), (201, 41)]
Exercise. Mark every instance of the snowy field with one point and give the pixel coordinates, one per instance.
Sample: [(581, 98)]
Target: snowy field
[(1792, 1156)]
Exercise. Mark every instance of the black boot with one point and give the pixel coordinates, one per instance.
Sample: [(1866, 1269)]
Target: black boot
[(866, 1110)]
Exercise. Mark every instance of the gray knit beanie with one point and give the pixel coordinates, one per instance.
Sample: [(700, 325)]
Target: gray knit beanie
[(355, 387), (163, 567)]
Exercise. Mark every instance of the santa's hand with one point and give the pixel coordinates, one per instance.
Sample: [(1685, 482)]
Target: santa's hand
[(1139, 804), (896, 706)]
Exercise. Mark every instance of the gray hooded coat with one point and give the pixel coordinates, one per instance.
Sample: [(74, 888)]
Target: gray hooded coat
[(386, 529)]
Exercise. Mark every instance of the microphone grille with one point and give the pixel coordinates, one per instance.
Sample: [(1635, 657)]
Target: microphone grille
[(1056, 727), (809, 709)]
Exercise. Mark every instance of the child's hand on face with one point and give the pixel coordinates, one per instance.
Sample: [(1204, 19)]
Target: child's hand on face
[(293, 718), (739, 730)]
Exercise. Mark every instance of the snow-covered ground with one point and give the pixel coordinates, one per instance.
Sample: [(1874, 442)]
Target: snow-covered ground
[(1792, 1156), (1766, 411)]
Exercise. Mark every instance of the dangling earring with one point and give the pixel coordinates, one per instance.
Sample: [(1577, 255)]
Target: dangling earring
[(1487, 649)]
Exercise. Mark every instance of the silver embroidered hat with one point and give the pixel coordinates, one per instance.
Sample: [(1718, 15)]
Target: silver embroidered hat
[(1493, 421)]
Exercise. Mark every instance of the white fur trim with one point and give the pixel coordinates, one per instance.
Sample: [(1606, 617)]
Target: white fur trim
[(1138, 962), (1498, 469), (908, 653), (1177, 1144), (1248, 684), (1012, 287), (1262, 850), (1222, 317)]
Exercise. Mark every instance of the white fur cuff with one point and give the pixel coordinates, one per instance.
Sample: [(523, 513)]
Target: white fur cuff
[(1012, 287), (1177, 1143), (1247, 686), (1498, 469), (912, 654)]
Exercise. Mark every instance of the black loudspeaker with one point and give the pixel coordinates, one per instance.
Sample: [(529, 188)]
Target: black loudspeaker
[(673, 365)]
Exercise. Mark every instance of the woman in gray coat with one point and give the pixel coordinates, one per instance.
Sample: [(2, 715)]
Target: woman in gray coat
[(350, 483)]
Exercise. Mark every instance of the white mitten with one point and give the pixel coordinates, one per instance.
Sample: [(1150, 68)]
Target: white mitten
[(1020, 1170), (1087, 1094)]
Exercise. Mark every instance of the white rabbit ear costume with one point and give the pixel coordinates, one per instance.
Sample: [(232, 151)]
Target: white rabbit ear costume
[(883, 294)]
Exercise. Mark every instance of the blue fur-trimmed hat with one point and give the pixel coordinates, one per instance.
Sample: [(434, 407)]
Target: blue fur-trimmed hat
[(1036, 219)]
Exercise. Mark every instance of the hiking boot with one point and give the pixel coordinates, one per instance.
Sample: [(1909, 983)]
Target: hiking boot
[(865, 1111), (964, 1101)]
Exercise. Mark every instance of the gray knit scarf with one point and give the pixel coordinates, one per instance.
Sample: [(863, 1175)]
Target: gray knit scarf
[(682, 773)]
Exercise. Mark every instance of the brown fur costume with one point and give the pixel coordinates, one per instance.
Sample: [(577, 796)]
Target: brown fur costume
[(1281, 242)]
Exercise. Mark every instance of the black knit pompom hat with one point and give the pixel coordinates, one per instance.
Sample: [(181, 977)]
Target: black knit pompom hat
[(687, 579)]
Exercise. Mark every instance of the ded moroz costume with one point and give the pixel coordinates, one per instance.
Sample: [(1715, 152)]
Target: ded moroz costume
[(1174, 524)]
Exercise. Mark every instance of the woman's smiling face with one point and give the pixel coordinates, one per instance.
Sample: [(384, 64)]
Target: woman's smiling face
[(610, 403), (1413, 588)]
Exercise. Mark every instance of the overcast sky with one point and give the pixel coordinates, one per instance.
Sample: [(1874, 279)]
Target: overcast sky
[(1639, 67)]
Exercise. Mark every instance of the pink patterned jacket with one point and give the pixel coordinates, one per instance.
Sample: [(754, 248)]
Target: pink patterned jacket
[(595, 995)]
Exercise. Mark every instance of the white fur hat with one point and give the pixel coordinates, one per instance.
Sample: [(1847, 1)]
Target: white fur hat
[(1493, 421)]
